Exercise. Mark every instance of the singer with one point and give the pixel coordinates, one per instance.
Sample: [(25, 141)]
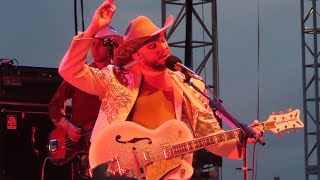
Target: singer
[(142, 102)]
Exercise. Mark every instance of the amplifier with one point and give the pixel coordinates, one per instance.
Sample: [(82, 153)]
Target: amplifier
[(28, 84)]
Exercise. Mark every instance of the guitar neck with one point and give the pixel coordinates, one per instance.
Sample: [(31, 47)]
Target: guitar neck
[(199, 143), (275, 123)]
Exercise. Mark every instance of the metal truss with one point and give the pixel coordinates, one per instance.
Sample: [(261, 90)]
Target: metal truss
[(197, 39), (310, 69)]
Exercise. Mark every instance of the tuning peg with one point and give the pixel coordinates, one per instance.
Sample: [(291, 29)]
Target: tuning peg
[(294, 128), (279, 133), (289, 110), (287, 131), (281, 112), (273, 113)]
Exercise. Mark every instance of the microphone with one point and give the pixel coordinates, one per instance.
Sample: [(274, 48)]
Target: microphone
[(175, 64)]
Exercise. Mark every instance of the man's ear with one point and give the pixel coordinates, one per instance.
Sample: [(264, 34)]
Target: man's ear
[(135, 56)]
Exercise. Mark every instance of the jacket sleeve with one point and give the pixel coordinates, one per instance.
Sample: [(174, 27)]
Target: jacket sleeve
[(203, 121), (74, 70), (208, 125), (57, 105)]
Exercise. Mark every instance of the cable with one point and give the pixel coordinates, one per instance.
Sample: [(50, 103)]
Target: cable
[(258, 93), (258, 75), (8, 62), (75, 17), (82, 20), (220, 173), (43, 166), (17, 62), (204, 48)]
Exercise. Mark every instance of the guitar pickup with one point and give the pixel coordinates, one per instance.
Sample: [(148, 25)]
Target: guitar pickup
[(53, 145), (166, 150), (147, 158)]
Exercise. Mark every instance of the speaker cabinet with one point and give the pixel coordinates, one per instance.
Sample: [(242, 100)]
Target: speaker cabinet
[(23, 139)]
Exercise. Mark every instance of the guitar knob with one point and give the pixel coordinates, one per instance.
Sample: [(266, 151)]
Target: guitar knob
[(183, 171), (279, 134)]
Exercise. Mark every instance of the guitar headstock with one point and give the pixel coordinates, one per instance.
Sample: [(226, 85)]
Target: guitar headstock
[(284, 121)]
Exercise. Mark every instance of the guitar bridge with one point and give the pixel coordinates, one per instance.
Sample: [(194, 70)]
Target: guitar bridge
[(115, 169)]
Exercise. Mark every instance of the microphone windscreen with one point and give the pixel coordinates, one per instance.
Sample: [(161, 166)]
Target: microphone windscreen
[(171, 60)]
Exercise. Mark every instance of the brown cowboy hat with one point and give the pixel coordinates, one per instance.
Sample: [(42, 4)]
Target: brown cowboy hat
[(138, 31)]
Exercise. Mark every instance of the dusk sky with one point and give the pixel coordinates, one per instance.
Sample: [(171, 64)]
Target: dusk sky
[(39, 32)]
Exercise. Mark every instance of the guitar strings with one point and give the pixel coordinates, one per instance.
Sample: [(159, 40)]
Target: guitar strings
[(68, 141)]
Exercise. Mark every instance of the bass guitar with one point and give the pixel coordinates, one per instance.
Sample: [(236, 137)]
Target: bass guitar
[(62, 149), (141, 153)]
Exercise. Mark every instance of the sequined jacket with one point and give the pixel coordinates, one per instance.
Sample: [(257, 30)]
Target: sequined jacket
[(118, 90)]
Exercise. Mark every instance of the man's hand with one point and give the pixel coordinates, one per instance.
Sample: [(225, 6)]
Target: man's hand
[(102, 18), (258, 130), (72, 131)]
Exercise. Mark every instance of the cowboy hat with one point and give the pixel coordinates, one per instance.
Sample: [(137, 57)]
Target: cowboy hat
[(109, 32), (138, 31)]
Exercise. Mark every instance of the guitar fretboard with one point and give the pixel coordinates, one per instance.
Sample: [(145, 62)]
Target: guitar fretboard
[(199, 143)]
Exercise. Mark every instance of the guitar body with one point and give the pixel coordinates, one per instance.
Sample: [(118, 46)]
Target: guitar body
[(62, 149), (139, 152), (132, 150)]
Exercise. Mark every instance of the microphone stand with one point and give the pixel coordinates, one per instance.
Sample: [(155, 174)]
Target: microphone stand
[(246, 131)]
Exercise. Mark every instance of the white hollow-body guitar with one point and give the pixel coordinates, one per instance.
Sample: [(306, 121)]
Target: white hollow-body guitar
[(153, 154)]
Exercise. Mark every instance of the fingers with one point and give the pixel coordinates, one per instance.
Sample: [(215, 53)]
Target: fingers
[(255, 122), (105, 4), (74, 133), (101, 18), (256, 129), (74, 137), (107, 9), (251, 141), (108, 14)]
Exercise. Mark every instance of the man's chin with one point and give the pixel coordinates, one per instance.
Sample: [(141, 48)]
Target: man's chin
[(159, 68)]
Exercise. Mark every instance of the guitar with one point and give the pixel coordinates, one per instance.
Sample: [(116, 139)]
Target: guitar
[(151, 154), (62, 150)]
